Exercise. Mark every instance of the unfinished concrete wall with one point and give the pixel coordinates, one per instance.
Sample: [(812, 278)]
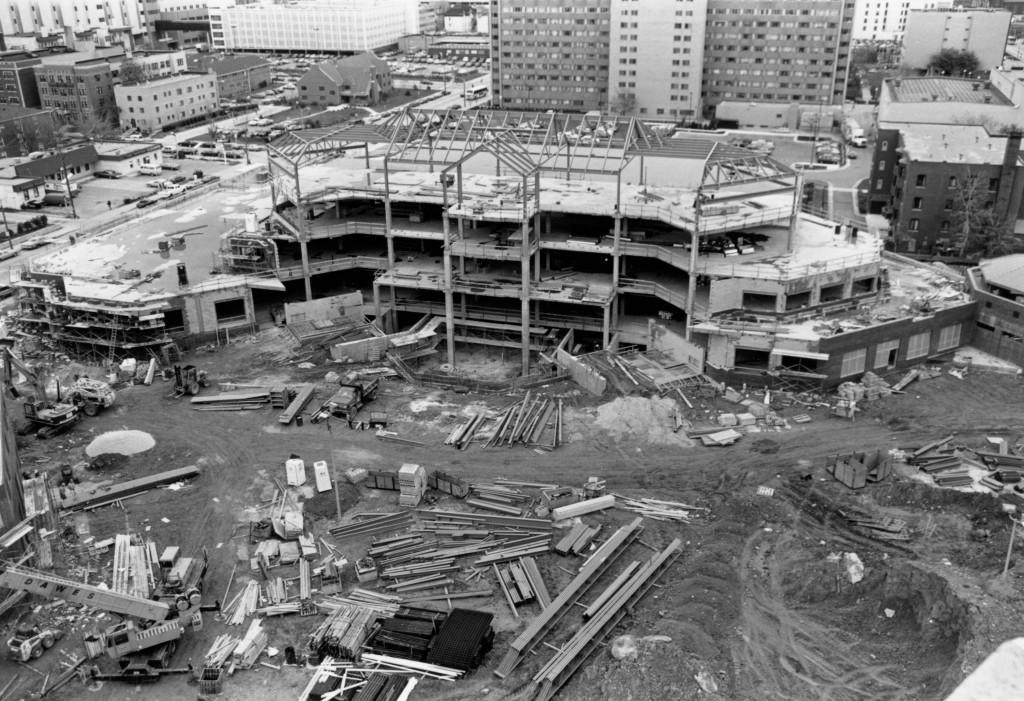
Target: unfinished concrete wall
[(585, 376), (334, 307), (674, 345), (201, 309), (728, 293)]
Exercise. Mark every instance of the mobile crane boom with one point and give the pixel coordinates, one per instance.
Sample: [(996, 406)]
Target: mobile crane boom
[(36, 582)]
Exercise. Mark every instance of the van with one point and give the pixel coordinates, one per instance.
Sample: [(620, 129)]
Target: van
[(150, 169)]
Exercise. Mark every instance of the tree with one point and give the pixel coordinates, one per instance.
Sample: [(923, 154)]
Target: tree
[(132, 72), (980, 230), (954, 62), (99, 126), (625, 103)]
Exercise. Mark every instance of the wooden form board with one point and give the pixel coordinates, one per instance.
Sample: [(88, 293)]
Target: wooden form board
[(129, 488), (297, 405), (583, 507)]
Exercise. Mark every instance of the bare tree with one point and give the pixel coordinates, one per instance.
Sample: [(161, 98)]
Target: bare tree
[(625, 103), (980, 228)]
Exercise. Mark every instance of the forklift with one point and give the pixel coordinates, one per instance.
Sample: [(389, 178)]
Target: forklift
[(188, 379)]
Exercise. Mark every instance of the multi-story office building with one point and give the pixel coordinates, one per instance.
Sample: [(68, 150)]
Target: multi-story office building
[(182, 23), (48, 17), (18, 78), (656, 57), (158, 104), (550, 54), (777, 50), (238, 76), (79, 85), (886, 20), (307, 25), (982, 32), (151, 64)]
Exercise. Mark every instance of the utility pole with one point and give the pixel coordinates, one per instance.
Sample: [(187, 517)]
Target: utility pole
[(1009, 548), (337, 484)]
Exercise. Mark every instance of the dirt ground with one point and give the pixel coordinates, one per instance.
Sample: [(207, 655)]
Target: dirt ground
[(758, 607)]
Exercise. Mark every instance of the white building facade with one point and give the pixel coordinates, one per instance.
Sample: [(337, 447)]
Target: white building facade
[(157, 104), (886, 20), (656, 58), (308, 25), (51, 17), (983, 32)]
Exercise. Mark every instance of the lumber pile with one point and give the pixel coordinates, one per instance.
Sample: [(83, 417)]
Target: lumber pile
[(658, 509), (302, 397), (374, 524), (596, 565), (521, 582), (855, 470), (577, 539), (231, 401), (580, 508), (250, 646), (447, 483), (132, 572), (412, 484), (604, 618), (497, 497), (344, 631), (463, 434), (243, 605), (221, 650), (408, 633), (123, 490), (535, 422), (945, 464), (884, 528)]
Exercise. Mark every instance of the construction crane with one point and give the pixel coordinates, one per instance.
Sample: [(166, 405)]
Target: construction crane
[(145, 640)]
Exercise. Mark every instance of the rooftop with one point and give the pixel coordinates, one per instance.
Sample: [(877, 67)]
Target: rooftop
[(1006, 272), (225, 64), (13, 111), (102, 264), (352, 71), (957, 143), (941, 89), (73, 57), (169, 80), (124, 149)]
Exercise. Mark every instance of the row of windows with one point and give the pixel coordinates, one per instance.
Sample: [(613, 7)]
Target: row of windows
[(887, 352)]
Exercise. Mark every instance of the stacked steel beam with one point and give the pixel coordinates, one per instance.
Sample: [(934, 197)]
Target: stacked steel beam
[(534, 422)]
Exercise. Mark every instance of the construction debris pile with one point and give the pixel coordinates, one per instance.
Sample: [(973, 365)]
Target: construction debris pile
[(951, 465)]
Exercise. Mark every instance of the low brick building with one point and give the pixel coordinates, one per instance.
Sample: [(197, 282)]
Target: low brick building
[(998, 287), (362, 79), (238, 76)]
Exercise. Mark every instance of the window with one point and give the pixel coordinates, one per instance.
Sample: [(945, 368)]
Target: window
[(949, 337), (993, 184), (952, 182), (878, 184), (914, 225), (921, 181), (881, 166), (886, 353), (230, 309), (917, 345), (853, 362), (918, 203), (948, 205)]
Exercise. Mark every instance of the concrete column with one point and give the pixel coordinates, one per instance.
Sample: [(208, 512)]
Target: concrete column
[(305, 270), (606, 336), (449, 302), (524, 292), (389, 236), (376, 306)]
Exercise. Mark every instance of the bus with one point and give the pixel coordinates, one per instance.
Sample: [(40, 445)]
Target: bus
[(477, 92)]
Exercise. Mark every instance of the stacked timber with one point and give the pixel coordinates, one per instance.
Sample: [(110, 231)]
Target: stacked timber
[(535, 422), (243, 605), (497, 497), (373, 524), (463, 434), (447, 483), (232, 401), (583, 507), (658, 509), (577, 539), (946, 465), (343, 632), (521, 582), (250, 646), (221, 650), (302, 397), (615, 606)]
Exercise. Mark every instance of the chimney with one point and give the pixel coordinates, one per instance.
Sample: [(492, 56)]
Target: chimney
[(182, 275)]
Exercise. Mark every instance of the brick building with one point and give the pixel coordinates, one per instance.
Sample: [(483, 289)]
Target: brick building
[(18, 78), (998, 287), (79, 86), (362, 79), (238, 76), (940, 173)]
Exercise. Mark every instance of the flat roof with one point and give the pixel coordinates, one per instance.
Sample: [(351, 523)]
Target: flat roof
[(101, 260), (953, 143), (1006, 272), (942, 89), (124, 149)]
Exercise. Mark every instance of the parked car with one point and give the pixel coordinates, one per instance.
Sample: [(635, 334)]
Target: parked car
[(56, 199), (179, 179), (156, 184), (145, 202), (150, 169), (108, 174), (33, 243)]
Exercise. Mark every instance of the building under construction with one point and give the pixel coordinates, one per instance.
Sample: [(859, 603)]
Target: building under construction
[(515, 228)]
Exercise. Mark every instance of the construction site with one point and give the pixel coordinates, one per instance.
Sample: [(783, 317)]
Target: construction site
[(498, 405)]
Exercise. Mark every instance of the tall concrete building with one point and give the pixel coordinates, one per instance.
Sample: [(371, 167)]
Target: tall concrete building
[(982, 32), (307, 25), (777, 50), (886, 20), (552, 54), (656, 57), (111, 18)]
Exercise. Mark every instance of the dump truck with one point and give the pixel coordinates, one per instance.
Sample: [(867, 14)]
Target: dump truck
[(349, 399), (90, 396), (854, 133)]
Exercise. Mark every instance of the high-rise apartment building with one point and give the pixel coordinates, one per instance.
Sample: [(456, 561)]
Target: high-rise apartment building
[(110, 18), (307, 25), (656, 57), (982, 32), (777, 50), (886, 20), (551, 54)]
